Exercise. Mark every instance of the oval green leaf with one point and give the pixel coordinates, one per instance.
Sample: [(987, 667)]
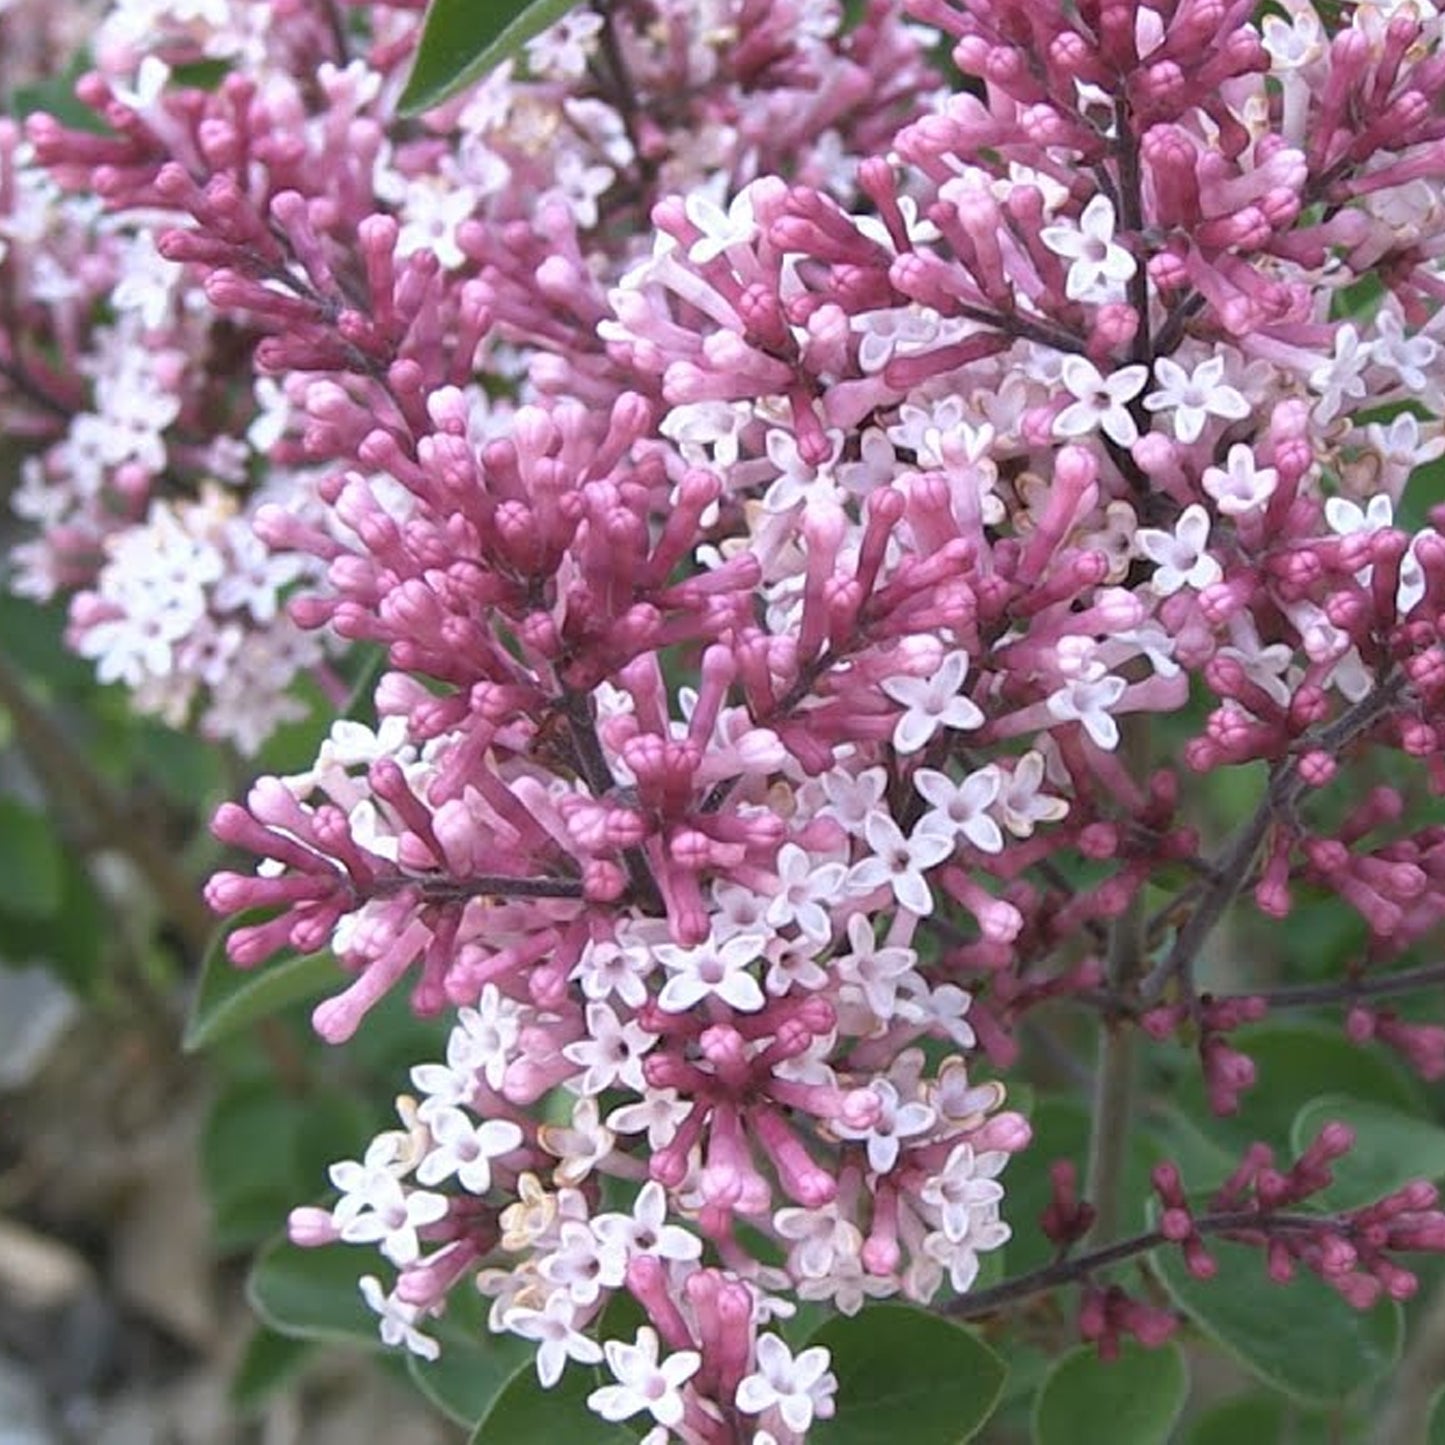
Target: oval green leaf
[(903, 1373), (474, 1366), (463, 39), (31, 862), (1296, 1062), (1263, 1417), (526, 1414), (1133, 1400), (314, 1294), (1391, 1148), (1300, 1337), (229, 998)]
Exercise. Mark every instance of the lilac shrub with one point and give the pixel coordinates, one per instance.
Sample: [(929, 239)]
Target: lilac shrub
[(831, 533)]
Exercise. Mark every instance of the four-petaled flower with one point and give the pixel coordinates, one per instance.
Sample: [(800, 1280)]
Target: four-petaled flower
[(1099, 264), (932, 703), (801, 1389), (900, 863), (712, 969), (1194, 396), (1181, 557), (1101, 402), (644, 1383)]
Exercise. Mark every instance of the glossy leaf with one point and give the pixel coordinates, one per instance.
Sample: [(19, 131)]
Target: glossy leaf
[(1133, 1400), (269, 1363), (526, 1414), (904, 1373), (31, 863), (474, 1366), (1295, 1062), (1300, 1337), (1391, 1148), (248, 1163), (463, 39), (314, 1293), (1263, 1418), (230, 998)]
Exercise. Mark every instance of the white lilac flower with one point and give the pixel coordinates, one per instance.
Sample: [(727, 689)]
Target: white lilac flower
[(967, 1184), (1194, 396), (1101, 402), (646, 1230), (611, 1053), (1241, 486), (582, 1264), (398, 1323), (1087, 699), (1022, 801), (720, 229), (644, 1382), (900, 863), (876, 972), (712, 969), (805, 888), (932, 703), (1099, 265), (465, 1148), (554, 1328), (960, 810), (896, 1122), (375, 1207), (1181, 557), (800, 1389)]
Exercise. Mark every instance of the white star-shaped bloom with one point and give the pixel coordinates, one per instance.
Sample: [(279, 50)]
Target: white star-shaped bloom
[(1241, 486), (960, 810), (900, 863), (1087, 699), (1101, 402), (720, 229), (1181, 557), (713, 969), (1099, 263), (799, 1389), (932, 703), (1194, 396), (466, 1149), (644, 1383)]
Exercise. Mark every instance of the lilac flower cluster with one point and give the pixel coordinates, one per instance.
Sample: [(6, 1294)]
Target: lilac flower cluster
[(781, 638)]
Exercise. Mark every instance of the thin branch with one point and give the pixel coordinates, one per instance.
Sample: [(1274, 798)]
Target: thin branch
[(1280, 796), (597, 774), (1080, 1267), (1114, 1074)]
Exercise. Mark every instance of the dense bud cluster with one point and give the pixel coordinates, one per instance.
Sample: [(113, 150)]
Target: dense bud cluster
[(794, 500)]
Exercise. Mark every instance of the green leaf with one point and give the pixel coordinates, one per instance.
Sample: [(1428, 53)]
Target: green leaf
[(475, 1365), (1437, 1421), (248, 1163), (1261, 1418), (526, 1414), (70, 942), (1391, 1148), (1133, 1400), (464, 39), (31, 862), (230, 998), (268, 1363), (1295, 1062), (902, 1370), (1061, 1131), (1302, 1338), (314, 1294)]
